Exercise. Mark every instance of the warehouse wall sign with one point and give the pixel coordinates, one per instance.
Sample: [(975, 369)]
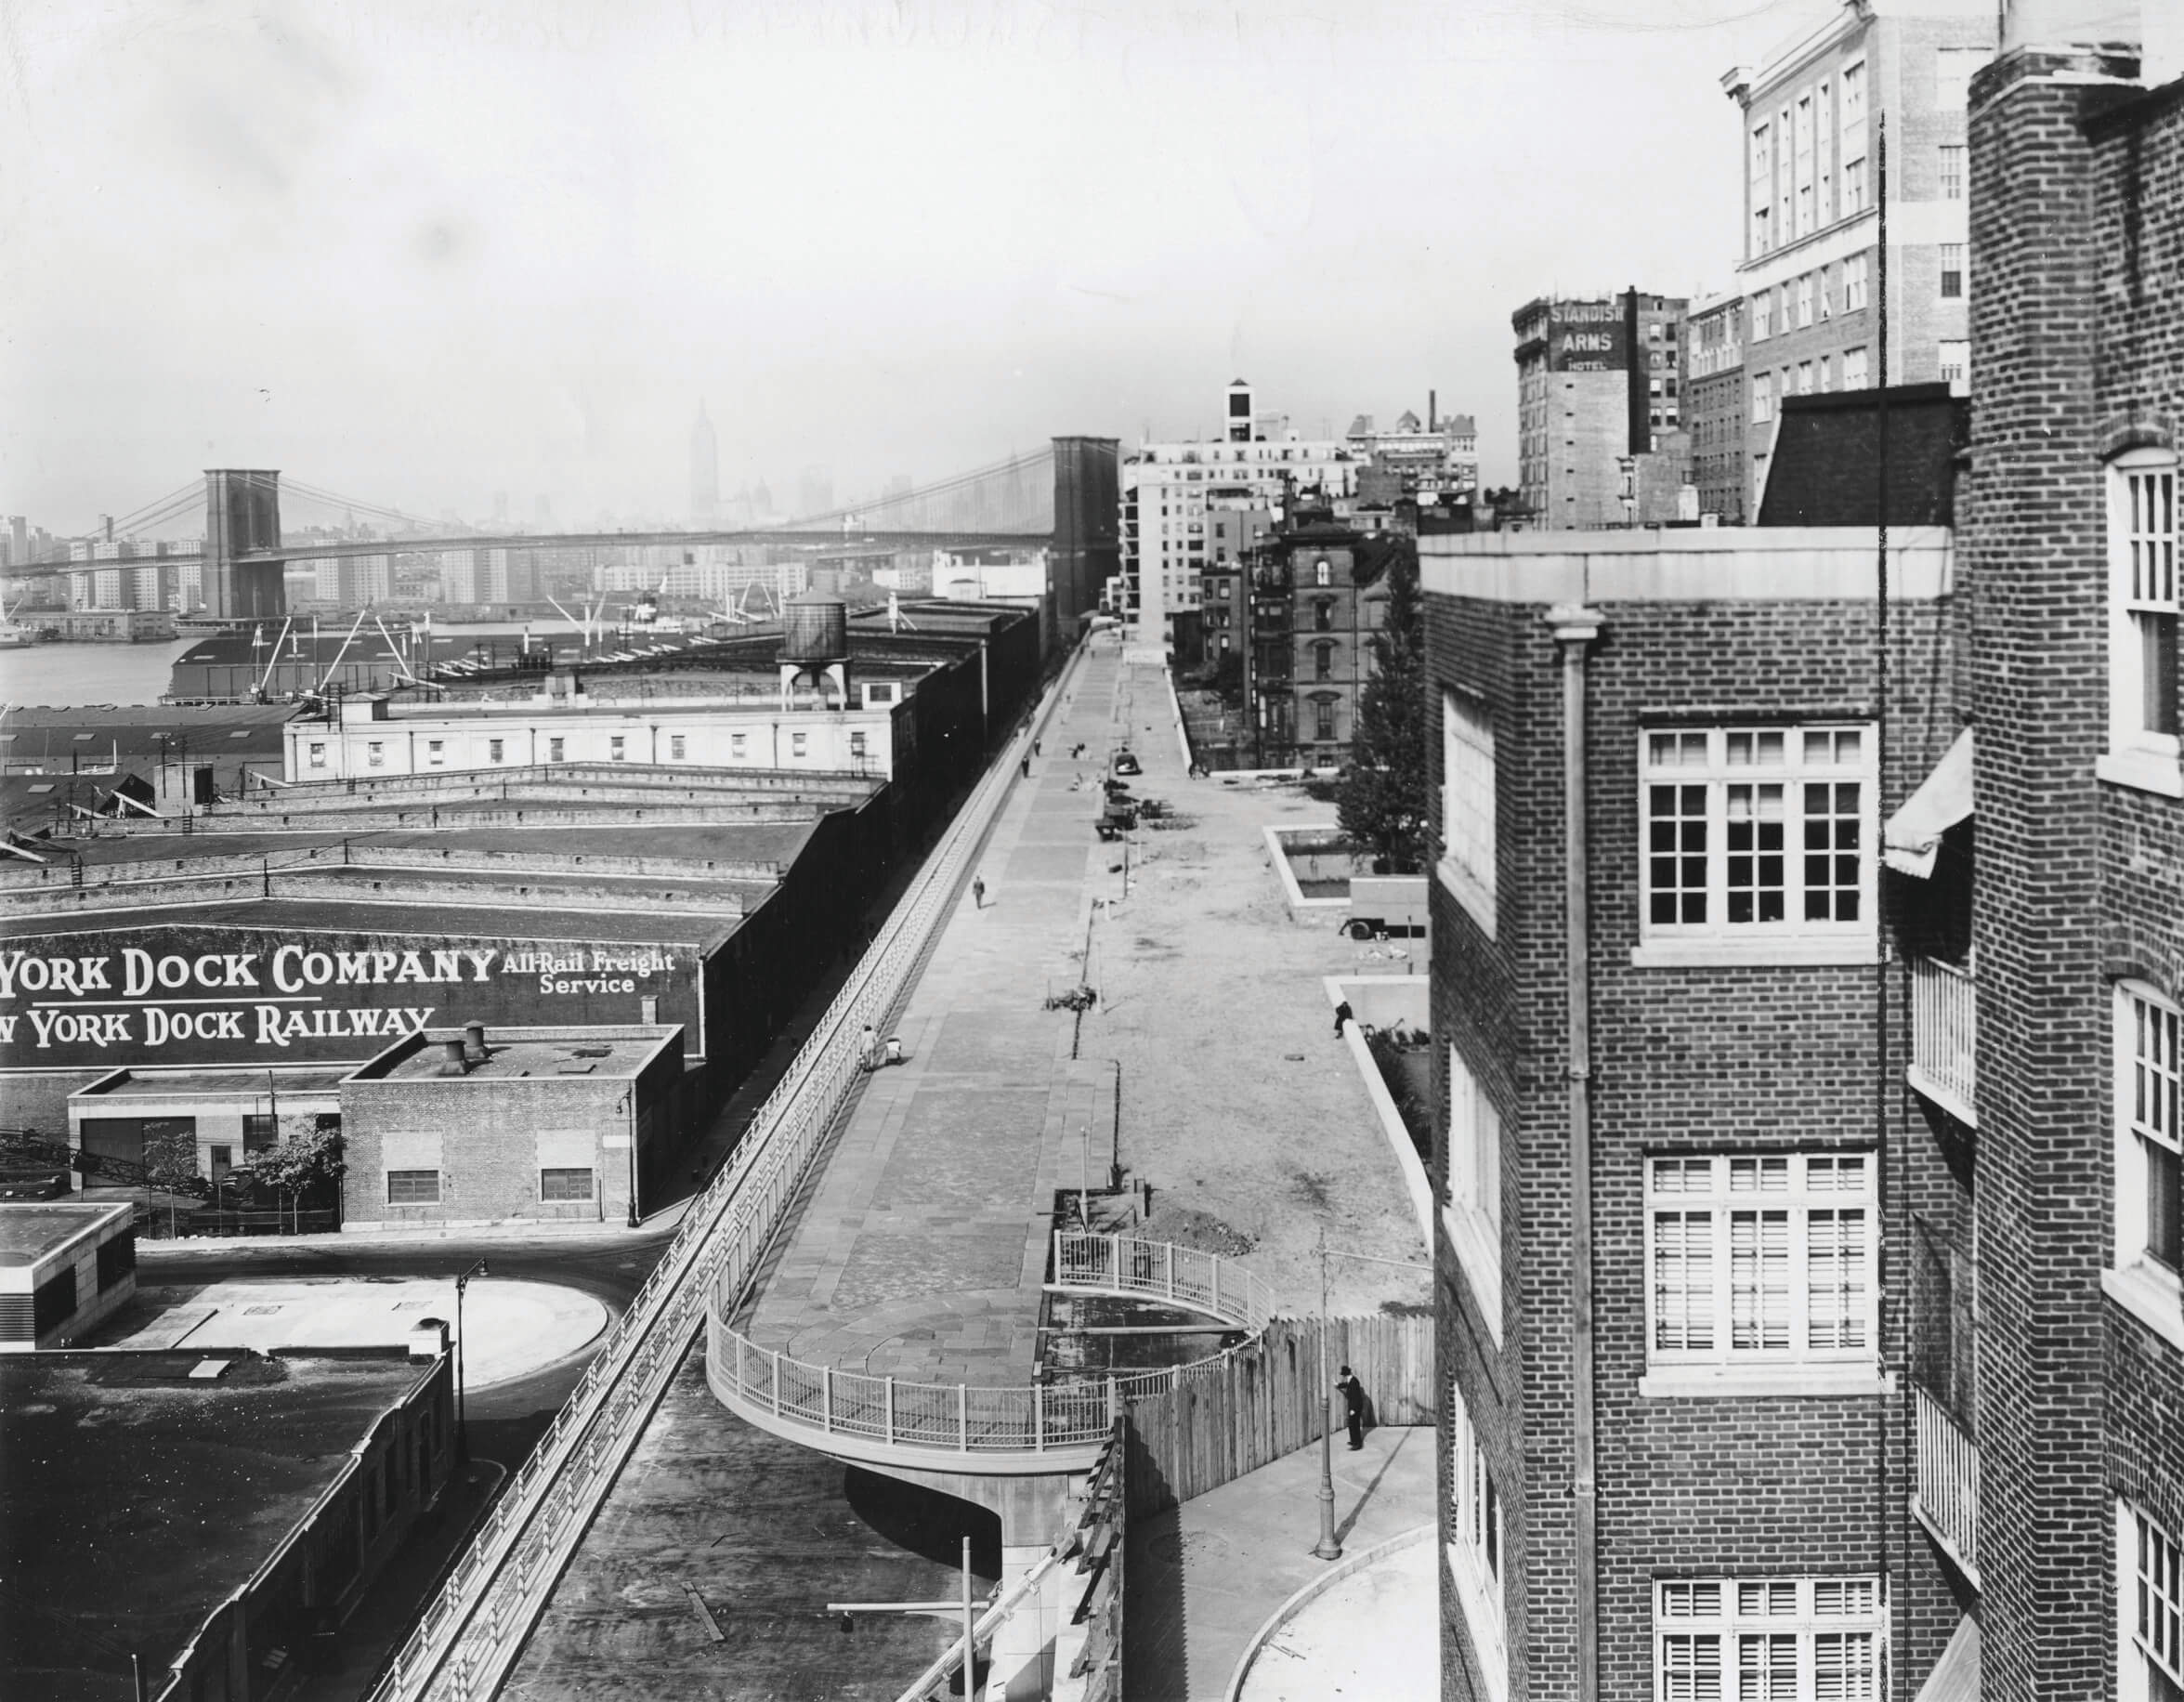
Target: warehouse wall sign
[(192, 995)]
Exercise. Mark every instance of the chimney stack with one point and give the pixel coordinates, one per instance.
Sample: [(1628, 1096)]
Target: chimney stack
[(452, 1064), (474, 1033)]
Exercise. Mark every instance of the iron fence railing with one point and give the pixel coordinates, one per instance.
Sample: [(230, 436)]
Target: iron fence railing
[(1066, 1414), (1944, 1035), (471, 1632), (1948, 1478)]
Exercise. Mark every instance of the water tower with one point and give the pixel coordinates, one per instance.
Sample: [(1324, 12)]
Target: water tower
[(814, 645)]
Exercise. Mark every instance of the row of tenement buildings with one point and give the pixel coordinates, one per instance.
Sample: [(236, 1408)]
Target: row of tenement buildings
[(1809, 980)]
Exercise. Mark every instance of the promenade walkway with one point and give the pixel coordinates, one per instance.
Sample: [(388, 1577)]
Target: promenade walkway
[(921, 1251)]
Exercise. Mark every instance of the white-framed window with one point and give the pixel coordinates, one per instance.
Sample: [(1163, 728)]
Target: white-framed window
[(2150, 1609), (1757, 835), (565, 1183), (1762, 397), (1760, 1259), (2148, 1273), (494, 750), (1854, 276), (374, 755), (412, 1187), (1854, 369), (617, 748), (1475, 1542), (736, 747), (1805, 299), (1952, 170), (1853, 185), (1467, 836), (677, 747), (1827, 371), (1472, 1216), (1322, 574), (318, 756), (435, 753), (555, 749), (2144, 616), (1760, 1638), (1762, 316), (1761, 186), (1804, 378), (1955, 362), (797, 741), (1951, 272), (856, 746), (1823, 287)]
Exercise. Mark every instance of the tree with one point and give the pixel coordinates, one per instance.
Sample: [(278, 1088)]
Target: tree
[(170, 1164), (1381, 798), (302, 1163)]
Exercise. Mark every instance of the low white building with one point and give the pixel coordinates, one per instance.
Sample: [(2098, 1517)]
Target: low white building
[(378, 737), (63, 1267)]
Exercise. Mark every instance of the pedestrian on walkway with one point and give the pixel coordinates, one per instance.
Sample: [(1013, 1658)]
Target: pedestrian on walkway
[(1026, 767), (1343, 1015), (1352, 1393), (978, 891), (868, 1047)]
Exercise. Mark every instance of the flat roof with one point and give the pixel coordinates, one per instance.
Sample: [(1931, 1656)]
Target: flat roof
[(735, 841), (362, 915), (220, 1083), (1685, 563), (28, 1233), (549, 1054), (137, 1501)]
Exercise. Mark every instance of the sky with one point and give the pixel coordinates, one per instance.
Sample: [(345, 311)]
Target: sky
[(423, 254)]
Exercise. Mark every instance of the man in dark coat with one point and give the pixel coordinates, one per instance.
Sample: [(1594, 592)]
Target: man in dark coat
[(1352, 1393)]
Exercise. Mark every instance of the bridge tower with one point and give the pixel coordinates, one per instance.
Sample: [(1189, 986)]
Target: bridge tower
[(1087, 546), (243, 514)]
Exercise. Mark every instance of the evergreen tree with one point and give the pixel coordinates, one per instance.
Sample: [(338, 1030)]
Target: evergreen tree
[(1381, 797)]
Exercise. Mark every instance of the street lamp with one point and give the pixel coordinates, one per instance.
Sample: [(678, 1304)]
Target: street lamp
[(939, 1610), (461, 1410), (1327, 1547)]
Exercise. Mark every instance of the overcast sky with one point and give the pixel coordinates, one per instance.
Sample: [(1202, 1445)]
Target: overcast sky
[(422, 253)]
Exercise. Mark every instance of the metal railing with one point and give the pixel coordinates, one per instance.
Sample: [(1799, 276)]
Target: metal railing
[(1066, 1415), (1155, 1270), (1945, 1034), (473, 1629), (1948, 1479)]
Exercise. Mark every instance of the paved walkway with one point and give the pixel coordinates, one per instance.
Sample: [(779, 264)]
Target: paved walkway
[(515, 1328), (1372, 1633), (920, 1251), (1203, 1578)]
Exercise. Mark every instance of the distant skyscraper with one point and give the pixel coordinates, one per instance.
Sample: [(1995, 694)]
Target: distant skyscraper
[(705, 473)]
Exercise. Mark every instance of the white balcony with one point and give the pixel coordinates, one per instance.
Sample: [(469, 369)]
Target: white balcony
[(1945, 1032), (1947, 1500)]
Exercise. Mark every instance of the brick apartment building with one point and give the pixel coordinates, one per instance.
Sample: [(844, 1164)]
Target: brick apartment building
[(1714, 406), (1317, 592), (1855, 1367), (1708, 699), (1598, 394)]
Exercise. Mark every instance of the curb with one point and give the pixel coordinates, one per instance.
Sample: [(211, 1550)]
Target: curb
[(1333, 1575)]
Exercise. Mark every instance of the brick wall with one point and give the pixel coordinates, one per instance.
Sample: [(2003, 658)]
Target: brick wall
[(2077, 350), (1690, 1059)]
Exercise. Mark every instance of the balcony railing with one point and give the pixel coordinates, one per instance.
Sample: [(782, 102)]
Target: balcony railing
[(1944, 1031), (1947, 1498)]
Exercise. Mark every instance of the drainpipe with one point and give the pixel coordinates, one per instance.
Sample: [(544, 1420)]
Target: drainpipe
[(1574, 628)]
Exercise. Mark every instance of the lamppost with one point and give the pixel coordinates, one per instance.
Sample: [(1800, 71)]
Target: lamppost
[(461, 1408), (939, 1610), (1327, 1547)]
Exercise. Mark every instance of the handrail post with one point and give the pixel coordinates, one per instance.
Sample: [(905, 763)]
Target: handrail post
[(1167, 1262), (1217, 1311), (889, 1433), (827, 1397), (1039, 1416), (776, 1391), (962, 1419)]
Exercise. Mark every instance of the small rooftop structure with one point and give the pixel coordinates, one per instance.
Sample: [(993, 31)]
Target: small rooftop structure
[(62, 1269)]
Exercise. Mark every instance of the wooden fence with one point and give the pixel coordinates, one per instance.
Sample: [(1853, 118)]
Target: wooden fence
[(1267, 1400)]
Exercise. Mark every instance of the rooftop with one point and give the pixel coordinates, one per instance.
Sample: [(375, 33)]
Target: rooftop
[(607, 1054), (126, 1542), (1685, 563), (762, 842), (361, 916), (215, 1083), (29, 1233)]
